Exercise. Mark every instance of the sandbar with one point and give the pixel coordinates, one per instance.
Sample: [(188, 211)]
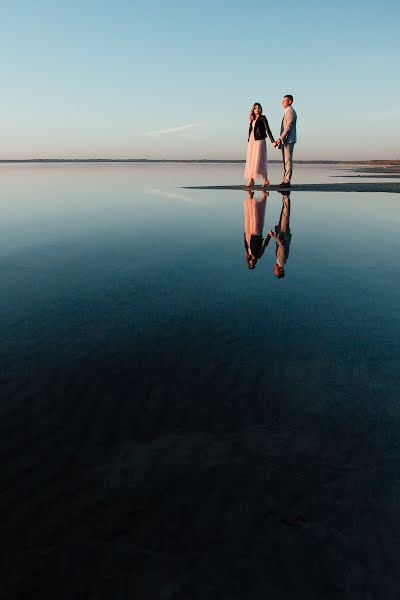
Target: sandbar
[(378, 186)]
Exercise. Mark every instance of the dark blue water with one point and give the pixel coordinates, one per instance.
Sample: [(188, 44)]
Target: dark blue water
[(163, 405)]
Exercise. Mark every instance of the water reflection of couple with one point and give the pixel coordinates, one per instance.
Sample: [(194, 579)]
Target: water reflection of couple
[(254, 243)]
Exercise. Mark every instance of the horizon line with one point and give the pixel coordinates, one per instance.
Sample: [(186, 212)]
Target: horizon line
[(187, 160)]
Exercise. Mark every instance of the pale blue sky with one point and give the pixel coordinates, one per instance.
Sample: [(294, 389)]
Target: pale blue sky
[(101, 79)]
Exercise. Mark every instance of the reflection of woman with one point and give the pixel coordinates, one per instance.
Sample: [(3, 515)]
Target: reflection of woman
[(282, 237), (254, 216), (256, 160)]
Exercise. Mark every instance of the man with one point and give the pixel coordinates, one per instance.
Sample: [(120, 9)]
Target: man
[(282, 236), (287, 139)]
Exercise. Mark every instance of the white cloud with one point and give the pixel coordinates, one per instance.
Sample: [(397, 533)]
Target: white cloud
[(172, 129), (171, 195)]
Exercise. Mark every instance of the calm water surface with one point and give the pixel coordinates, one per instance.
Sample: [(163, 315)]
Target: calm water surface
[(130, 325), (111, 259)]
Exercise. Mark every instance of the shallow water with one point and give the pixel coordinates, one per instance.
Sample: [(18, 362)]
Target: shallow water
[(144, 362), (101, 254)]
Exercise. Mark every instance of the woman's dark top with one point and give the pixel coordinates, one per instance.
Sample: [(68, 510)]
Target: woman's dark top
[(261, 129), (257, 245)]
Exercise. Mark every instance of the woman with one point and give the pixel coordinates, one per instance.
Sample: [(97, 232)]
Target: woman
[(256, 161), (254, 216)]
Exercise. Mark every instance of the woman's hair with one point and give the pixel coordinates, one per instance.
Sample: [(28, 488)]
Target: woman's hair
[(251, 261), (252, 115), (256, 249)]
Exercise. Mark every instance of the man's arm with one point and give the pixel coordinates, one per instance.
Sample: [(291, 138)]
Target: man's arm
[(290, 120), (276, 237)]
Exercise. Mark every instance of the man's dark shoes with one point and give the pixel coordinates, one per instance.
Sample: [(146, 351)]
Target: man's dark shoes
[(284, 184)]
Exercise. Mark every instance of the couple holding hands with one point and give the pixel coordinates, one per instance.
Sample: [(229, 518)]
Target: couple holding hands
[(256, 160)]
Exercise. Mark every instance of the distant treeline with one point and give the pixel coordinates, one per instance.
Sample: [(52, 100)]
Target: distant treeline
[(192, 161)]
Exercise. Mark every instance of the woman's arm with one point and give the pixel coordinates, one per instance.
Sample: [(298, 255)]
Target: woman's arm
[(265, 244), (268, 130), (250, 128)]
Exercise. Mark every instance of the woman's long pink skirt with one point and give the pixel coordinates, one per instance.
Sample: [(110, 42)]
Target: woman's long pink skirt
[(256, 160)]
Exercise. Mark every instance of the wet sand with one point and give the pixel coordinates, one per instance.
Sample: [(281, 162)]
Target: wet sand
[(114, 485)]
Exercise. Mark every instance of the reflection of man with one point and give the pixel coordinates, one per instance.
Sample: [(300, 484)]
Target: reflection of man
[(287, 139), (282, 237), (254, 216)]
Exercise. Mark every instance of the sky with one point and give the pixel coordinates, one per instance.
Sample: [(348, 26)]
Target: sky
[(176, 80)]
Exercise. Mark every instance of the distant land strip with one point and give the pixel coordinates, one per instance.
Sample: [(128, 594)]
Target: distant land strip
[(193, 161)]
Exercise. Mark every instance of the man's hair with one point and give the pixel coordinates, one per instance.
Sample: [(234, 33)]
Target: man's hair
[(289, 96)]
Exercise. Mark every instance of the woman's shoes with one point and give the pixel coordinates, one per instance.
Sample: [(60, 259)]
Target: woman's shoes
[(250, 183)]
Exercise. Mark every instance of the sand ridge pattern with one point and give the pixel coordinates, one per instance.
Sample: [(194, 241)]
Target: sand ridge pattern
[(116, 486)]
